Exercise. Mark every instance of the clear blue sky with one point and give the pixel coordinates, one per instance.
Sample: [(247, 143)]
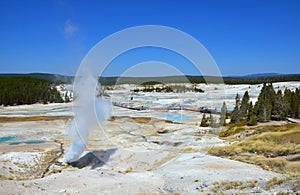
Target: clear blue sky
[(243, 36)]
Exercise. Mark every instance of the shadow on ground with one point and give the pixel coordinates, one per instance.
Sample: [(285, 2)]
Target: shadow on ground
[(94, 159)]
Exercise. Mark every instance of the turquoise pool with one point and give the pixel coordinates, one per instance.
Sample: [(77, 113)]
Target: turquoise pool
[(7, 138), (27, 142), (13, 140), (176, 117)]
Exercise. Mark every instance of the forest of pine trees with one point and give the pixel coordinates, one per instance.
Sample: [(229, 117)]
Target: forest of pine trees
[(270, 105), (26, 90)]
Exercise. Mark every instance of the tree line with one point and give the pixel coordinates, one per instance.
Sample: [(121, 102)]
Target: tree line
[(200, 79), (168, 89), (27, 90), (254, 79), (270, 105)]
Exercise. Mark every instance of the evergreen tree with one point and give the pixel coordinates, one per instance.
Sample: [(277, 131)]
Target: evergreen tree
[(294, 105), (251, 118), (204, 121), (235, 117), (252, 121), (27, 90), (223, 114), (263, 106), (279, 108), (297, 93), (244, 106), (287, 97), (250, 110), (212, 121)]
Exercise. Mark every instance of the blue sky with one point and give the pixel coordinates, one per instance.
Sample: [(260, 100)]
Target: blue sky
[(243, 36)]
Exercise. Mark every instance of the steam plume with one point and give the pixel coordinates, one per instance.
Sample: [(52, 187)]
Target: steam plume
[(84, 105)]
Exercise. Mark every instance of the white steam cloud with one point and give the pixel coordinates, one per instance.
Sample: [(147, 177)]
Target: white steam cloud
[(85, 105)]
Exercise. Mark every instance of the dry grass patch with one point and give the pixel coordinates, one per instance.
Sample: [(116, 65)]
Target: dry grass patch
[(294, 169), (267, 148), (274, 182), (271, 164), (233, 129), (142, 120), (4, 119), (221, 187)]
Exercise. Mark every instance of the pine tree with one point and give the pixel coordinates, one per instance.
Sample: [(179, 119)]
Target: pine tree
[(263, 106), (235, 117), (244, 106), (297, 93), (252, 121), (287, 101), (250, 110), (279, 108), (26, 90), (251, 118), (212, 121), (223, 114), (294, 105), (204, 121)]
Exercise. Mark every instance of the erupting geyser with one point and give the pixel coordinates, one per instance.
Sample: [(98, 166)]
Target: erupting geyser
[(90, 112)]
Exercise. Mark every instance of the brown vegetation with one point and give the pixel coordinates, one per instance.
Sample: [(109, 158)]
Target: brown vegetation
[(267, 147), (4, 119)]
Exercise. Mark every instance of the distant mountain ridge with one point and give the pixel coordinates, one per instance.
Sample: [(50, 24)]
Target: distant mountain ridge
[(46, 76), (247, 79), (263, 75)]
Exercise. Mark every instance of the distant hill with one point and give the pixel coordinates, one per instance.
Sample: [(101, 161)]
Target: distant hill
[(52, 77), (262, 78), (248, 79), (262, 75)]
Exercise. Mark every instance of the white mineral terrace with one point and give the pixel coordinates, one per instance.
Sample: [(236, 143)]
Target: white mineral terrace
[(147, 151)]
